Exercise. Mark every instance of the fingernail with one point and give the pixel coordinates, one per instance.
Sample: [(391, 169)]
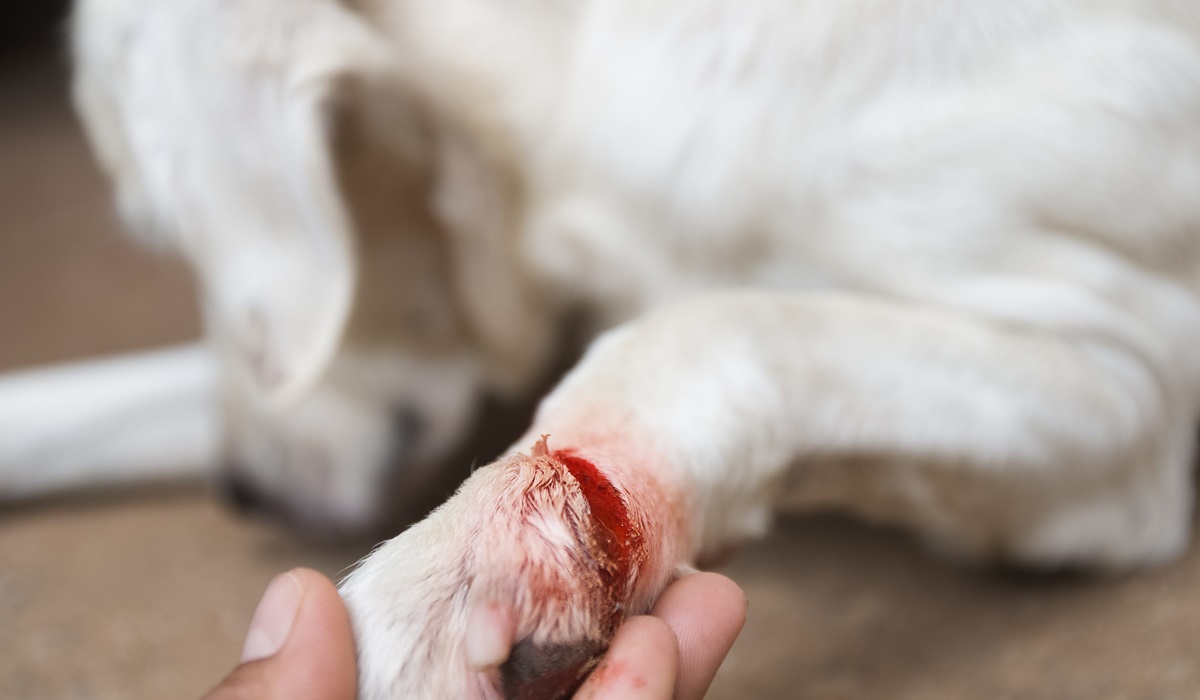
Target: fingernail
[(273, 619)]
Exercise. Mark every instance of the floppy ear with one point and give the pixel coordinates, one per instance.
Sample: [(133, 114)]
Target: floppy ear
[(280, 277), (225, 127), (277, 300), (214, 121)]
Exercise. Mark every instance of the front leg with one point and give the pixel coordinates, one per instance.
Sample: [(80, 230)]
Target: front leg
[(132, 419), (676, 436)]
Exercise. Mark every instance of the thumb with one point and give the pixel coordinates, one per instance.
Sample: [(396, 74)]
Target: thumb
[(299, 645)]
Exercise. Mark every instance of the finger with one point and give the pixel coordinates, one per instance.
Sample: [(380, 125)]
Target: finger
[(707, 612), (299, 646), (640, 664)]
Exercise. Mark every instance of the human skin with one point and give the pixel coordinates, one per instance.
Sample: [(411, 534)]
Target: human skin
[(300, 645)]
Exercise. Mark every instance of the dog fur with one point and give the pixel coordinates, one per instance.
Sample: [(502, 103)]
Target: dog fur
[(932, 263)]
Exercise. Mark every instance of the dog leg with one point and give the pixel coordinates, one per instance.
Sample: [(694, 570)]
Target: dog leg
[(992, 440), (129, 419), (677, 435)]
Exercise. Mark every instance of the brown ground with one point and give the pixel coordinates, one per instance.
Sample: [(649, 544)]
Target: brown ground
[(147, 596)]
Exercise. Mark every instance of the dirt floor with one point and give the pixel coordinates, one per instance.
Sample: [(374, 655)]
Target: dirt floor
[(146, 596)]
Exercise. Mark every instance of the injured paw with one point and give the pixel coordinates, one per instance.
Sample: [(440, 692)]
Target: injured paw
[(514, 588)]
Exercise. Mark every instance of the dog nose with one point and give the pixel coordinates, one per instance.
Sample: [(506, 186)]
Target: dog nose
[(239, 493), (408, 426)]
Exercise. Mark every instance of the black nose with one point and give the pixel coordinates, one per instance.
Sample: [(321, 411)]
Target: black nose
[(240, 494), (408, 426)]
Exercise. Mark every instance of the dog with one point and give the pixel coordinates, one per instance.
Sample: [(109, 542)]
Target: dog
[(933, 264)]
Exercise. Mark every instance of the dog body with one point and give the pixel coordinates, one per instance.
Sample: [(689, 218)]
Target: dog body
[(930, 264)]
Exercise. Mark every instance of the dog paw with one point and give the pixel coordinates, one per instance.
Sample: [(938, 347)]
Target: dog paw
[(513, 588)]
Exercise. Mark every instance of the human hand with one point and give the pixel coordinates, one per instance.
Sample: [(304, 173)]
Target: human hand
[(676, 650), (300, 645)]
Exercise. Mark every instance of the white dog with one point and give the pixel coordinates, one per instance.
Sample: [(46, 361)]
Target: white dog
[(930, 262)]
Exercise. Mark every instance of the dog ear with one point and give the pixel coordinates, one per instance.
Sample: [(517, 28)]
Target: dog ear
[(273, 144), (280, 298), (279, 306)]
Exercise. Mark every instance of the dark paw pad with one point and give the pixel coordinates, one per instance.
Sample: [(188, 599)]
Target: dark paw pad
[(548, 672)]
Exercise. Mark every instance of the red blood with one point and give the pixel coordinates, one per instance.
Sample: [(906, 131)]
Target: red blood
[(609, 672), (618, 539)]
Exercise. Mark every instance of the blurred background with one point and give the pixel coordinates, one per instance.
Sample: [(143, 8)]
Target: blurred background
[(147, 595)]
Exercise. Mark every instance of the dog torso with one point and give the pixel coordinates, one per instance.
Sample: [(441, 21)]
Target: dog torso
[(1035, 167), (989, 165)]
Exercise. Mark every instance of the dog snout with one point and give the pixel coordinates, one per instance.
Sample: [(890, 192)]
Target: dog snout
[(240, 493)]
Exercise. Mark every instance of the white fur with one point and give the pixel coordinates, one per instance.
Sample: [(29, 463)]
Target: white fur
[(110, 422), (930, 262)]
